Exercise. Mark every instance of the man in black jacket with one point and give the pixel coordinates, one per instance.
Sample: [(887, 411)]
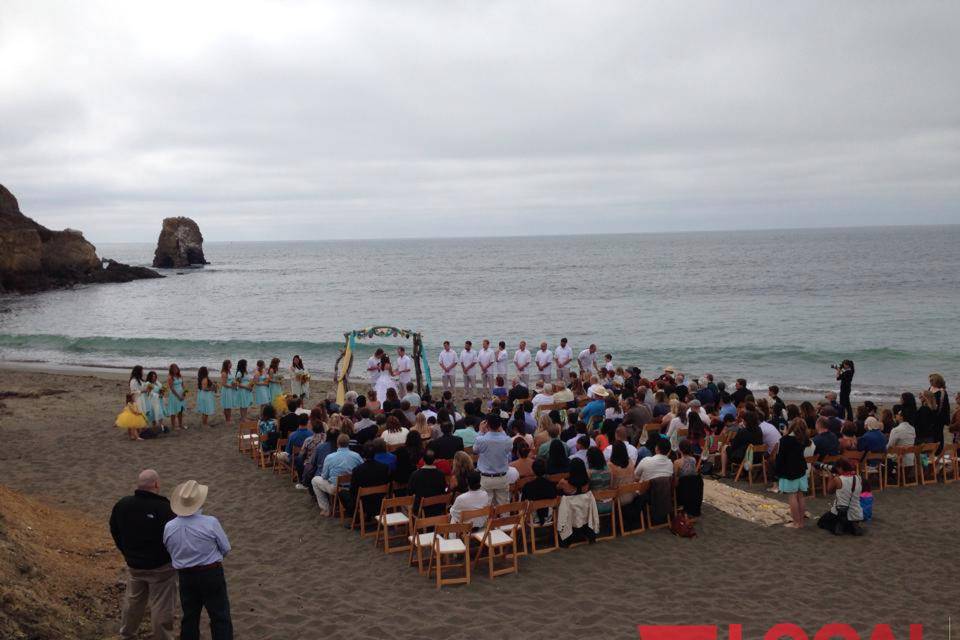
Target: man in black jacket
[(448, 444), (291, 421), (136, 524), (368, 473)]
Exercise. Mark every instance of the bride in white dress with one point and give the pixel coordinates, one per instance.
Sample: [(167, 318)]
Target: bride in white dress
[(386, 380)]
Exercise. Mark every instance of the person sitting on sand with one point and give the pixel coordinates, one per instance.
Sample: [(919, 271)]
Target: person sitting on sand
[(847, 485), (474, 498), (342, 461)]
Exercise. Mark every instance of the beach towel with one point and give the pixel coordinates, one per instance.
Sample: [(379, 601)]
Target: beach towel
[(745, 505), (575, 512)]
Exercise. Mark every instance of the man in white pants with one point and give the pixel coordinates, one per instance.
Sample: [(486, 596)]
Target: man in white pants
[(448, 362), (468, 363), (486, 362), (500, 358), (588, 359), (522, 360), (563, 356), (404, 368), (544, 360), (493, 448), (373, 367)]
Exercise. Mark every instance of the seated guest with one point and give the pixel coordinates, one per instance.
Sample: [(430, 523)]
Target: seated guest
[(826, 441), (307, 450), (581, 447), (873, 440), (314, 465), (290, 421), (381, 455), (296, 438), (447, 445), (366, 428), (267, 427), (462, 466), (540, 488), (368, 473), (342, 461), (904, 434), (595, 409), (522, 461), (576, 484), (689, 481), (421, 426), (412, 397), (394, 433), (750, 434), (621, 467), (557, 459), (621, 436), (658, 465), (408, 457), (599, 476), (517, 391), (848, 437), (580, 430), (562, 395), (466, 433), (426, 482), (577, 481), (553, 435), (473, 498), (499, 388)]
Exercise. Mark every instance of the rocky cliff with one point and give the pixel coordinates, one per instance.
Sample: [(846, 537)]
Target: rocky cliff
[(180, 244), (34, 258)]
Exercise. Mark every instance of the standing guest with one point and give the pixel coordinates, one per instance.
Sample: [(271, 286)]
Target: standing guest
[(468, 364), (588, 360), (136, 524), (244, 387), (486, 360), (175, 394), (131, 420), (404, 370), (299, 379), (206, 396), (740, 392), (197, 545), (448, 362), (941, 403), (427, 482), (342, 461), (563, 356), (544, 362), (777, 406), (154, 394), (791, 468), (494, 448), (229, 392), (261, 385), (521, 362), (136, 388), (373, 367), (845, 375)]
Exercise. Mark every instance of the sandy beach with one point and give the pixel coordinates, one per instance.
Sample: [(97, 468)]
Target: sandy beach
[(295, 574)]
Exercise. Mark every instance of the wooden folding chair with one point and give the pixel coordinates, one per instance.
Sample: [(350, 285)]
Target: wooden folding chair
[(607, 496), (422, 538), (498, 538), (517, 487), (823, 476), (394, 513), (264, 458), (444, 545), (398, 488), (247, 437), (948, 462), (927, 458), (359, 520), (853, 456), (651, 427), (279, 466), (469, 515), (636, 489), (649, 510), (754, 457), (915, 450), (551, 523), (811, 475), (875, 464), (444, 499), (894, 464), (337, 508)]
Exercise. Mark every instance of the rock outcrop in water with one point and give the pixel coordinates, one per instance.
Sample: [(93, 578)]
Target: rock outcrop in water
[(34, 258), (180, 244)]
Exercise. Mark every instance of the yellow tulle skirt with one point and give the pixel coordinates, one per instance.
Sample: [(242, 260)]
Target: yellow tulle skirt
[(130, 420), (280, 405)]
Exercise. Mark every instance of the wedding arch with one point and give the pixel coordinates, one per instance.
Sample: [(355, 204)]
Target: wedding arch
[(341, 371)]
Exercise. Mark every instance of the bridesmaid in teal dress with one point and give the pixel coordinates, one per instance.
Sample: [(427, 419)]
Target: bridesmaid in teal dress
[(244, 395), (261, 385), (155, 414), (276, 381), (228, 392), (206, 403), (175, 395)]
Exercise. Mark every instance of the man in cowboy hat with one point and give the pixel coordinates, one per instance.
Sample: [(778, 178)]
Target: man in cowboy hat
[(136, 524), (197, 545)]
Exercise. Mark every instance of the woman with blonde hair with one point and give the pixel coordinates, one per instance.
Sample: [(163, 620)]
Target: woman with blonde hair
[(674, 411), (542, 435), (462, 466), (420, 426)]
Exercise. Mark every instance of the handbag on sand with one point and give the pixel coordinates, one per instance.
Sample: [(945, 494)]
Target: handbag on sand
[(681, 526)]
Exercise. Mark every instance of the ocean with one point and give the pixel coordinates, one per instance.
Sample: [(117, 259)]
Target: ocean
[(770, 306)]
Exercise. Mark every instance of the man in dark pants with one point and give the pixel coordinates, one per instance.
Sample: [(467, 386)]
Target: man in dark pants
[(136, 524), (197, 545)]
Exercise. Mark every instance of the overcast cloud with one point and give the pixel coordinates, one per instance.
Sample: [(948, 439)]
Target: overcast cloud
[(281, 120)]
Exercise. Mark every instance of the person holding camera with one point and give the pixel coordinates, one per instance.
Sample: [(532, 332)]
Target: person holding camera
[(845, 514), (845, 372)]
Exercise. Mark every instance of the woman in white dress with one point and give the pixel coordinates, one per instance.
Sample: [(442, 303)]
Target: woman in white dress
[(299, 379), (386, 379), (136, 389)]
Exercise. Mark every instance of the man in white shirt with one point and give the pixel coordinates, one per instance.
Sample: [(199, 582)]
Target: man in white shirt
[(544, 360), (404, 367), (373, 367), (563, 356), (468, 363), (522, 360), (621, 435), (500, 358), (656, 466), (448, 363), (475, 498), (544, 396), (486, 361), (588, 359)]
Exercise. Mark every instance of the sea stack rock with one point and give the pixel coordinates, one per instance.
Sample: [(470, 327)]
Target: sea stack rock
[(180, 244), (34, 258)]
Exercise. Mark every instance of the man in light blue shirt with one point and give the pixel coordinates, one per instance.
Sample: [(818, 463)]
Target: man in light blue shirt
[(494, 448), (197, 544), (340, 462), (596, 408)]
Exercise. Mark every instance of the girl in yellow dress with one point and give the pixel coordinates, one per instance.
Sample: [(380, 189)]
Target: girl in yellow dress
[(131, 419)]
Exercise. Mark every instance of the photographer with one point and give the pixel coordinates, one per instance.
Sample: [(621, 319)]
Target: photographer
[(845, 372), (845, 514)]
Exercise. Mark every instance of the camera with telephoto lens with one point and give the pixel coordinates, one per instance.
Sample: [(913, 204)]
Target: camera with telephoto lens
[(825, 466), (836, 366)]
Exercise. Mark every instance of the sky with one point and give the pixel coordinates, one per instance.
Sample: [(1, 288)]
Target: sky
[(317, 120)]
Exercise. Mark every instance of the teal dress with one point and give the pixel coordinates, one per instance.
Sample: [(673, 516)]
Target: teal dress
[(155, 407), (228, 396), (175, 405), (276, 386), (206, 403), (261, 393), (243, 397)]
